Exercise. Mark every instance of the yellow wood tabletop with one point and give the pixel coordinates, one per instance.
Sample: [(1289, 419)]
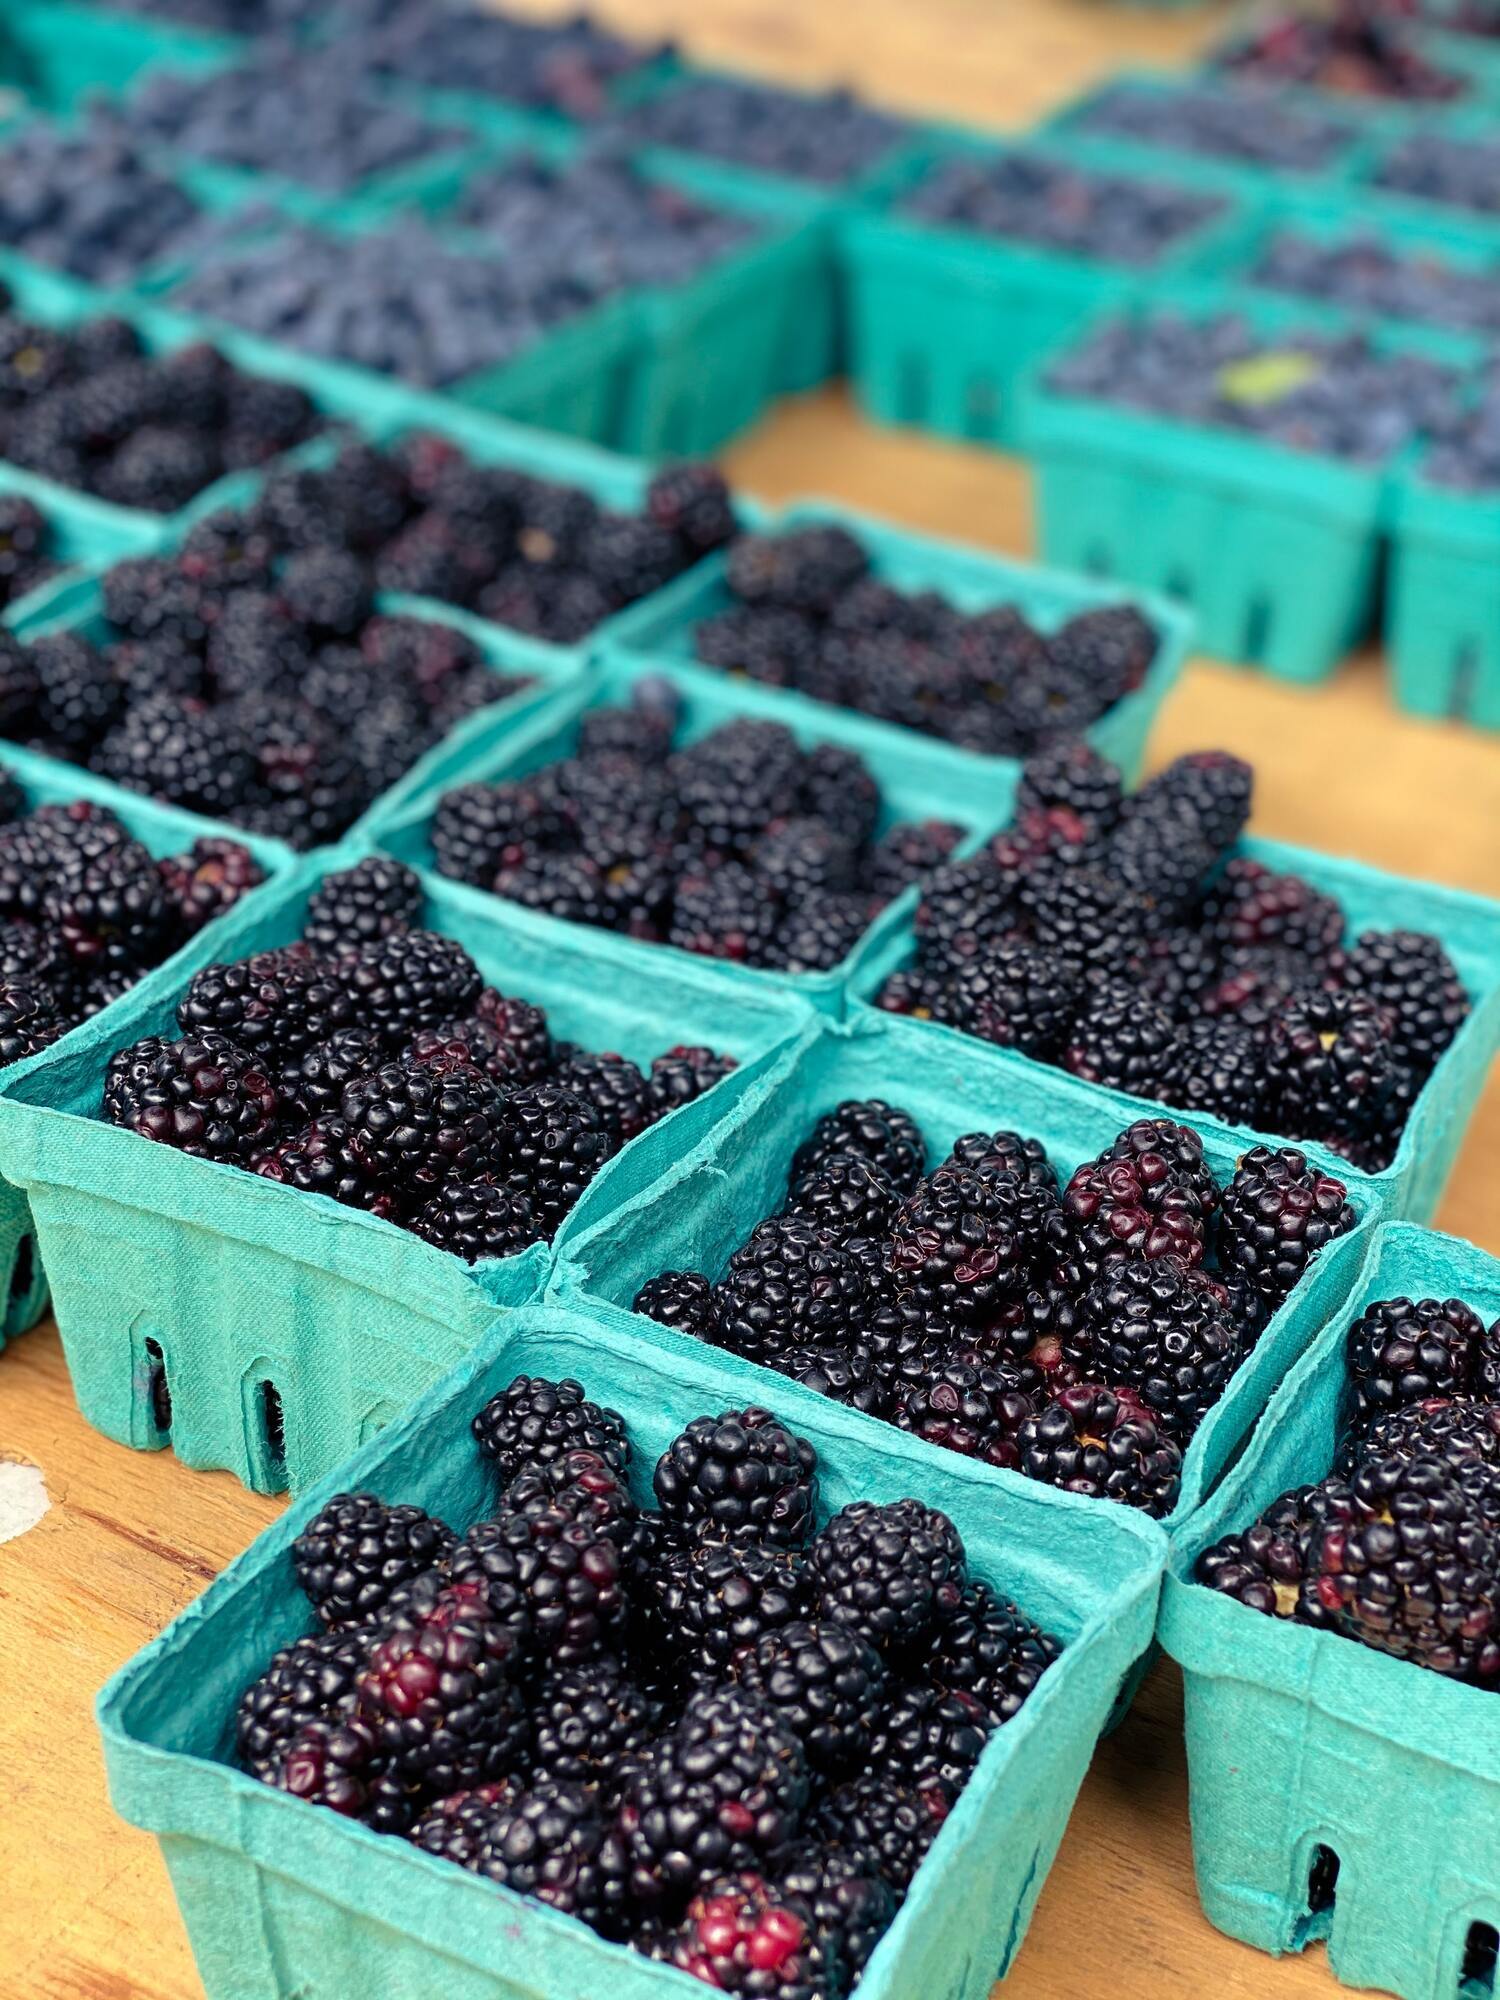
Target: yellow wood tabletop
[(85, 1908)]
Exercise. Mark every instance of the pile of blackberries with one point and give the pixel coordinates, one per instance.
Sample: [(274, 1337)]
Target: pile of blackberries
[(1124, 939), (1466, 452), (85, 909), (1355, 47), (1399, 1546), (827, 136), (26, 548), (1333, 393), (1366, 275), (1029, 197), (542, 557), (567, 66), (738, 845), (1078, 1334), (812, 614), (719, 1732), (272, 697), (234, 17), (368, 1061), (1220, 122), (87, 406), (1459, 172)]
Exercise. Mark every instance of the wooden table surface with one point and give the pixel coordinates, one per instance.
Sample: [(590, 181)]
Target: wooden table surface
[(85, 1908)]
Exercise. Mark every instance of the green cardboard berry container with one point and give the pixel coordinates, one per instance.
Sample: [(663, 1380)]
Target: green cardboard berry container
[(285, 1327), (979, 802), (1442, 614), (164, 830), (1468, 926), (55, 52), (695, 1217), (662, 629), (947, 319), (279, 1896), (1304, 1745)]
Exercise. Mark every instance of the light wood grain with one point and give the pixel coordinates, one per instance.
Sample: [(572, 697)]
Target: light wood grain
[(85, 1908)]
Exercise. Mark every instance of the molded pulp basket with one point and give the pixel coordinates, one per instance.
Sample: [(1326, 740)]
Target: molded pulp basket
[(56, 52), (81, 533), (707, 1207), (1300, 1740), (164, 830), (225, 1283), (663, 628), (280, 1897), (1442, 625), (946, 319), (978, 799), (1372, 900)]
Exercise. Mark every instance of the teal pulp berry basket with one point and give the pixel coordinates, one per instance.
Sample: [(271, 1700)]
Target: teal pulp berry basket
[(707, 1206), (80, 535), (1442, 613), (282, 1328), (164, 830), (979, 802), (1306, 1749), (54, 52), (663, 629), (1469, 927), (946, 320), (280, 1897)]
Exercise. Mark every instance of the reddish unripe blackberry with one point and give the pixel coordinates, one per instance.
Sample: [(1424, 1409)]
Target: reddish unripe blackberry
[(363, 904), (705, 1601), (976, 1411), (1169, 1158), (1071, 774), (1277, 1214), (357, 1552), (741, 1935), (963, 1239), (685, 1300), (203, 1095), (1404, 1351), (1018, 995), (991, 1651), (409, 980), (724, 1789), (1452, 1428), (1264, 1566), (479, 1220), (588, 1721), (890, 1572), (312, 1679), (333, 1762), (879, 1132), (847, 1195), (682, 1074), (471, 1045), (882, 1826), (847, 1902), (822, 1680), (522, 1028), (206, 881), (536, 1422), (1331, 1066), (1117, 1208), (926, 1734), (1410, 975), (554, 1144), (1102, 1441), (1154, 1325), (739, 1474), (790, 1285), (1252, 907)]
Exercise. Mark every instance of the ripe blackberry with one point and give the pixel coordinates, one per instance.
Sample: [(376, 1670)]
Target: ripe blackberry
[(1088, 916), (1005, 1152), (1072, 775), (1330, 1065), (725, 1789), (613, 1086), (1176, 968), (921, 995), (1452, 1428), (884, 1826), (1169, 1159), (471, 1045), (1277, 1214), (559, 1573), (355, 1553), (1404, 1351), (413, 1130), (79, 693), (727, 913), (876, 1131), (276, 1004), (1412, 977), (457, 1827), (967, 907), (1216, 1067), (791, 1285), (909, 852), (29, 1021), (437, 1694), (808, 569), (409, 980), (589, 1720), (845, 1196), (682, 1074), (181, 751), (1265, 1565), (478, 830), (739, 1474), (1017, 995), (550, 1840), (1252, 907), (844, 1373), (1204, 796), (311, 1679), (109, 909), (1413, 1570), (889, 1572), (991, 1651), (821, 931), (478, 1220), (964, 1239), (318, 1158), (361, 905), (743, 1935), (684, 1300), (848, 1903), (202, 1094), (581, 1486), (522, 1028), (693, 502), (313, 1081), (824, 1682), (536, 1422), (1123, 1041), (1154, 1325), (927, 1734), (907, 1344), (706, 1601), (206, 881), (554, 1144), (336, 1762), (975, 1410), (1105, 1443)]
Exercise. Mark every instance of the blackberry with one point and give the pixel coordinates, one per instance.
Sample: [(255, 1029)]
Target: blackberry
[(824, 1682), (964, 1239), (79, 695), (569, 887), (314, 1079), (480, 830), (693, 502), (907, 1344), (457, 1827), (927, 1734), (920, 995), (589, 1722), (361, 905), (1404, 1351), (1074, 776), (890, 1572), (1265, 1565), (277, 1004), (1123, 1041), (876, 1131), (844, 1373), (109, 909), (409, 980), (207, 880), (1411, 976), (682, 1074), (684, 1300), (977, 1411), (909, 852), (311, 1679), (335, 1762), (1175, 969), (552, 1842), (535, 1422), (808, 569), (725, 1789), (1123, 1208), (743, 1935), (1089, 916), (1252, 907), (29, 1021), (1412, 1571), (554, 1579), (1168, 1157), (318, 1159), (1330, 1065), (1277, 1214), (580, 1486), (472, 1045), (847, 1902), (413, 1130), (991, 1651), (522, 1029), (837, 786), (728, 913), (791, 1285), (554, 1144), (1017, 995), (1201, 798), (967, 907), (886, 1827), (706, 1601), (1154, 1325), (739, 1474), (613, 1086), (356, 1551), (1215, 1067), (478, 1220), (202, 1094), (328, 591), (1005, 1153), (1452, 1428), (821, 931), (1110, 648), (1097, 1441)]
